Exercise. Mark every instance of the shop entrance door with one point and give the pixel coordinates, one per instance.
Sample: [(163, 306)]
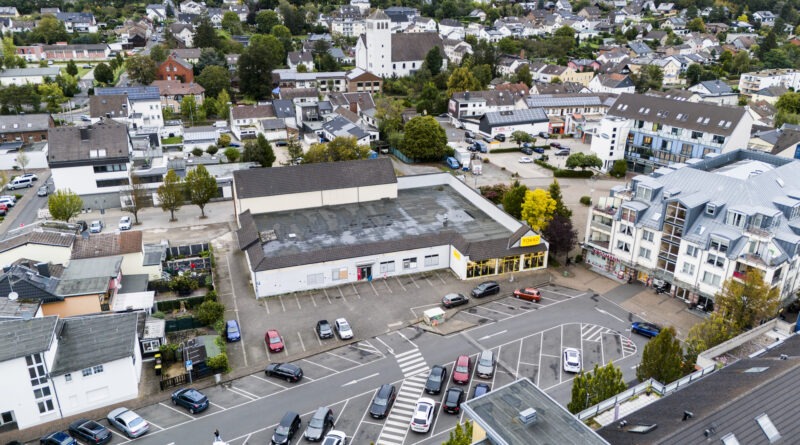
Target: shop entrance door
[(365, 273)]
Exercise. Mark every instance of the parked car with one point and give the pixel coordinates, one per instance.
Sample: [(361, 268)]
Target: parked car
[(500, 137), (232, 332), (319, 424), (86, 118), (525, 160), (486, 363), (274, 340), (324, 329), (646, 329), (96, 226), (572, 360), (286, 371), (436, 378), (526, 150), (125, 223), (453, 163), (563, 151), (128, 422), (82, 226), (453, 300), (485, 289), (343, 328), (539, 150), (544, 135), (470, 143), (12, 198), (382, 402), (423, 415), (481, 389), (335, 438), (90, 431), (43, 191), (8, 202), (469, 134), (191, 399), (461, 370), (452, 400), (286, 429), (528, 293), (58, 438), (481, 147), (555, 144), (29, 175)]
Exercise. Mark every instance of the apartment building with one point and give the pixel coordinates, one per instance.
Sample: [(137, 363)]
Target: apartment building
[(695, 226), (750, 83), (477, 103), (665, 131)]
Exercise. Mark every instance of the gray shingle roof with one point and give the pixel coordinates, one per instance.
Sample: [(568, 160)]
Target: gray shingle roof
[(72, 145), (107, 244), (252, 112), (512, 117), (48, 71), (414, 46), (20, 338), (113, 105), (88, 275), (38, 122), (254, 183), (94, 340), (716, 87)]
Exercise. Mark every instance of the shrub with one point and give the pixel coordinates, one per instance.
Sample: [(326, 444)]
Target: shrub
[(197, 152), (219, 326), (183, 284), (168, 352), (209, 312), (578, 258), (619, 169), (559, 173), (586, 200), (219, 363), (212, 150), (159, 314)]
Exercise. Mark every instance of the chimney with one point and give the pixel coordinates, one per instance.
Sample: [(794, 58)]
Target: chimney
[(43, 269)]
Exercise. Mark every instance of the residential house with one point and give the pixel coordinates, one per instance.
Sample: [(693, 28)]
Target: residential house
[(144, 105), (639, 49), (91, 161), (359, 80), (529, 120), (657, 36), (769, 94), (455, 50), (172, 93), (241, 9), (581, 65), (296, 58), (422, 24), (215, 17), (324, 81), (156, 12), (39, 243), (342, 127), (671, 68), (9, 11), (245, 119), (716, 91), (80, 22), (612, 83), (766, 18), (175, 68), (24, 76), (401, 17), (299, 95), (183, 33), (548, 73), (362, 5), (78, 52), (507, 65), (539, 88), (750, 83), (474, 104), (200, 137), (451, 29), (109, 106), (762, 113), (614, 55), (125, 244), (192, 7), (191, 55), (479, 14), (25, 128), (781, 141), (361, 104)]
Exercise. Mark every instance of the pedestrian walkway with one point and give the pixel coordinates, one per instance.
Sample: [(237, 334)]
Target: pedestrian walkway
[(414, 368)]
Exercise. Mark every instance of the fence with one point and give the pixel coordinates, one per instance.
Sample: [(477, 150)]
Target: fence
[(187, 250), (399, 155), (183, 379), (182, 324), (194, 263)]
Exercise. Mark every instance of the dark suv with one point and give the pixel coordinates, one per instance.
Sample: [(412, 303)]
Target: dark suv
[(453, 300), (286, 430), (485, 289), (324, 329), (320, 423), (436, 378), (382, 402), (287, 371)]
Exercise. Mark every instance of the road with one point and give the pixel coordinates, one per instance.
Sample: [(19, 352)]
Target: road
[(26, 210), (528, 344)]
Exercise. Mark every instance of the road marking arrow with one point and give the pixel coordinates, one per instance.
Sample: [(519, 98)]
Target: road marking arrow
[(607, 313), (485, 337), (353, 382)]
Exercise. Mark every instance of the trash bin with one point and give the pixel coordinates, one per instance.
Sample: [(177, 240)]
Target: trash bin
[(217, 378)]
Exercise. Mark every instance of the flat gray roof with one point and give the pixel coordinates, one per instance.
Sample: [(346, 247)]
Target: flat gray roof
[(497, 413)]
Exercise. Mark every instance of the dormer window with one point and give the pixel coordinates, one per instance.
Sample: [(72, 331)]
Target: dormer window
[(711, 209), (736, 219), (644, 193), (719, 244)]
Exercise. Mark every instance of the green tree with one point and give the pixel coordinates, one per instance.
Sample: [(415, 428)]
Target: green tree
[(259, 151), (431, 100), (158, 53), (256, 63), (696, 25), (662, 358), (64, 204), (205, 36), (710, 332), (224, 140), (190, 110), (209, 57), (560, 234), (521, 137), (224, 101), (209, 312), (103, 73), (214, 79), (461, 435), (294, 149), (583, 161), (483, 74), (741, 62), (265, 20), (619, 168), (460, 80), (339, 149), (565, 31), (538, 208), (555, 193), (49, 30), (748, 302), (789, 102), (769, 43), (141, 69), (589, 389), (389, 114), (232, 154), (72, 68), (9, 57), (524, 75), (52, 95), (424, 139), (433, 60), (693, 73), (512, 200), (202, 187), (171, 194), (650, 77), (231, 23)]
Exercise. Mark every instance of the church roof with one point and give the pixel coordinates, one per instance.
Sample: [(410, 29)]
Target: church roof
[(414, 46), (378, 15)]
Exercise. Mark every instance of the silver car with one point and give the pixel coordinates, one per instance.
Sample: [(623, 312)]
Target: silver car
[(128, 422), (486, 364)]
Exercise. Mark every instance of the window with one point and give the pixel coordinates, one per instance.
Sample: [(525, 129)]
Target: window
[(719, 245), (692, 251), (87, 372), (644, 253), (39, 383), (623, 246), (111, 182), (625, 229), (7, 417), (676, 131), (410, 263), (647, 141), (629, 215), (98, 369), (68, 377), (643, 192), (431, 260), (150, 345), (387, 267), (315, 278), (697, 135), (735, 219), (710, 278), (718, 139), (711, 209), (688, 268), (647, 235), (110, 168), (768, 428), (716, 260), (686, 149)]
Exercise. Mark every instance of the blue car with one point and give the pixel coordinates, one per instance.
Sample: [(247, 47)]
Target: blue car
[(481, 389), (191, 399), (453, 163), (58, 438), (232, 332), (646, 329)]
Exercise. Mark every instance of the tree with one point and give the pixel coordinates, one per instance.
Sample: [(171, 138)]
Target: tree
[(224, 102), (136, 197), (693, 73), (22, 161), (431, 100), (389, 114), (8, 57), (521, 137), (209, 57), (696, 25), (789, 102), (171, 194), (650, 77), (231, 23), (424, 139), (589, 389), (214, 79), (749, 302), (259, 151), (64, 204), (224, 140), (265, 20), (710, 332), (103, 73), (158, 53), (769, 43), (560, 234), (512, 200), (205, 36), (72, 68), (141, 69), (524, 75), (294, 150), (433, 60), (339, 149), (256, 63), (52, 95), (538, 209), (555, 193), (460, 80), (49, 30), (619, 168), (741, 62), (209, 312), (202, 187), (662, 358), (232, 154), (460, 435), (190, 110)]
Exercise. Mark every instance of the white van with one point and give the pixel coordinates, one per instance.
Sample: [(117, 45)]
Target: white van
[(19, 183)]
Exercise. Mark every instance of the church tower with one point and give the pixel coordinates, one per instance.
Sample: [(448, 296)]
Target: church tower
[(379, 44)]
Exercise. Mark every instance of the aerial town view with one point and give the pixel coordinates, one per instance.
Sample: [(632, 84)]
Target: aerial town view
[(412, 222)]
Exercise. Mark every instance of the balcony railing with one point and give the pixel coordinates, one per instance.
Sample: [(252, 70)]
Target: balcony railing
[(758, 231), (611, 211), (600, 244), (601, 226)]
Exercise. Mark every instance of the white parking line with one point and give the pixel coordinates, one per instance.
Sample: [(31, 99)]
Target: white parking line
[(400, 283), (355, 290), (495, 310), (344, 358), (302, 345), (342, 294), (313, 300), (298, 302), (243, 392), (326, 295), (439, 276), (389, 288), (373, 288), (270, 381), (173, 409), (218, 406), (414, 281), (266, 306), (319, 340), (281, 300), (341, 411)]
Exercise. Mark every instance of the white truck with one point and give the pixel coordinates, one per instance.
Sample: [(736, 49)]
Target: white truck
[(463, 156)]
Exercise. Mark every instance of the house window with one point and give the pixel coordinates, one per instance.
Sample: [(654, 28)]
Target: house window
[(339, 274), (625, 229), (623, 246), (644, 193), (410, 263), (647, 141), (716, 260), (7, 417), (735, 219), (431, 260), (697, 135), (150, 345), (629, 215), (718, 139), (710, 278), (711, 209), (644, 253), (676, 131), (39, 383), (87, 372), (68, 377), (387, 266), (688, 269), (647, 235), (692, 251), (719, 245)]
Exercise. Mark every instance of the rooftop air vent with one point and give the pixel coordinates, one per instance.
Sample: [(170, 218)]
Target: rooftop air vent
[(527, 416)]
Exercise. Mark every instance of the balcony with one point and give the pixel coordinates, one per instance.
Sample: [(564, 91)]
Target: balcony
[(608, 210), (758, 232), (599, 244), (600, 225)]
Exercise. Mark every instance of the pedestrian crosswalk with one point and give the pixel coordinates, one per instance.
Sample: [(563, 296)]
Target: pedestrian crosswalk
[(414, 368), (593, 332)]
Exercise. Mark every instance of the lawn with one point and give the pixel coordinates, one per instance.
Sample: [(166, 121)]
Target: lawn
[(172, 141)]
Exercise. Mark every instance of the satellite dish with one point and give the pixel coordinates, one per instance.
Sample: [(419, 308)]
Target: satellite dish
[(13, 296)]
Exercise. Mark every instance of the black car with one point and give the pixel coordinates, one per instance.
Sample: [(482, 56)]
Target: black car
[(500, 137), (563, 151), (527, 150), (191, 399), (382, 402), (320, 423), (90, 431), (436, 378), (82, 225), (452, 400), (324, 329), (453, 300), (287, 428), (539, 150), (485, 289), (58, 438), (469, 134), (287, 371)]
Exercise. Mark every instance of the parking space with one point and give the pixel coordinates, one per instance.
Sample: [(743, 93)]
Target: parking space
[(509, 306)]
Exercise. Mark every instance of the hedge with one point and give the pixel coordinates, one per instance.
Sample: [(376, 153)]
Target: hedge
[(192, 302), (514, 149), (562, 173)]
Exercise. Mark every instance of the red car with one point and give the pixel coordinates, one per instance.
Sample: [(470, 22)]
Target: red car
[(461, 370), (274, 341), (528, 293)]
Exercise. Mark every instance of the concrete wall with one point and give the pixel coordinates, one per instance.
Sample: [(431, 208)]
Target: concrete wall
[(83, 180), (36, 252), (118, 382), (271, 204), (80, 305), (18, 394), (132, 265), (340, 196)]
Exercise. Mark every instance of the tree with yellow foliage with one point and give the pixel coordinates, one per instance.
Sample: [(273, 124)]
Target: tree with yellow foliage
[(538, 208)]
